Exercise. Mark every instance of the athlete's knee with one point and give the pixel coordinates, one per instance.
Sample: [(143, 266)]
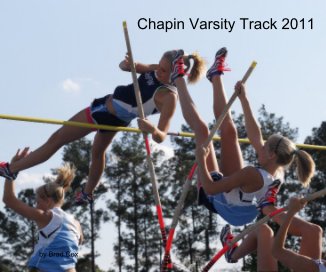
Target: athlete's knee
[(314, 231), (201, 128), (229, 130), (265, 232)]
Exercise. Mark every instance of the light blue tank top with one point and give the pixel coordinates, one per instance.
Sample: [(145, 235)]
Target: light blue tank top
[(57, 247)]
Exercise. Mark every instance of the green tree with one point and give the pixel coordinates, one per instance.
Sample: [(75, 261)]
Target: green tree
[(316, 210), (133, 209), (19, 235), (197, 226)]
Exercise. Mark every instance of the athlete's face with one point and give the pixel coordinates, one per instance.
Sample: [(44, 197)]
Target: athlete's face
[(41, 203), (266, 155), (163, 71)]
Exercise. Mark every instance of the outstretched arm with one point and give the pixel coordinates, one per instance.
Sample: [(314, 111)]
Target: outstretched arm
[(11, 201), (289, 258), (252, 127), (140, 67)]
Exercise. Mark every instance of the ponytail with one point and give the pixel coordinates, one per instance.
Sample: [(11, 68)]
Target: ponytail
[(287, 152), (198, 66), (197, 69), (65, 176), (305, 167), (56, 189)]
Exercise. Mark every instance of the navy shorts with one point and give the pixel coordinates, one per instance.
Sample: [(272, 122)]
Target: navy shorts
[(236, 215), (99, 114), (202, 196)]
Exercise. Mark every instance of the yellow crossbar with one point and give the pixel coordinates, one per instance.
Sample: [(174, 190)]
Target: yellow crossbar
[(127, 129)]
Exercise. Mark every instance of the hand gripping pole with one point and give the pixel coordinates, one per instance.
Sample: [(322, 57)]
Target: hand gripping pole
[(187, 183), (148, 150)]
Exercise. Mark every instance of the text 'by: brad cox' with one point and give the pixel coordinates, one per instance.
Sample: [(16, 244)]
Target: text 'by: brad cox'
[(244, 23)]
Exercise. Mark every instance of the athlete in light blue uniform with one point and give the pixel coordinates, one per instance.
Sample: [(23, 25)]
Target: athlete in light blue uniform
[(229, 188), (59, 233), (238, 207)]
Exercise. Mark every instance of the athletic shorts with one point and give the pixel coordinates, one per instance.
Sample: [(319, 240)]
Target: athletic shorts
[(320, 264), (235, 215), (98, 113)]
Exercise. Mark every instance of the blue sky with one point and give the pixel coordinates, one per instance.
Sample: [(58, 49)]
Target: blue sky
[(56, 56)]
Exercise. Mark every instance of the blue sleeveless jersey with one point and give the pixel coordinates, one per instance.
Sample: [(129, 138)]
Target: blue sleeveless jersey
[(57, 247), (237, 207)]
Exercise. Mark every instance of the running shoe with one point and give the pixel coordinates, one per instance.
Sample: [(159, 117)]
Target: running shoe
[(218, 66), (226, 237), (82, 198), (5, 171), (177, 66)]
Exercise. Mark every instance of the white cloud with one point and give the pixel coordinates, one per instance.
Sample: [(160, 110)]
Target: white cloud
[(26, 180), (169, 152), (70, 86)]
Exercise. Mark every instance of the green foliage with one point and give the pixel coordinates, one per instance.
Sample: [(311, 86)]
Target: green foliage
[(18, 234), (131, 204), (138, 244), (316, 210)]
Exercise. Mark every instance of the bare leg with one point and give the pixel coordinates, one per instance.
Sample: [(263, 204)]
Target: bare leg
[(64, 135), (101, 142), (248, 245), (311, 237), (260, 240), (265, 259), (195, 122), (231, 156)]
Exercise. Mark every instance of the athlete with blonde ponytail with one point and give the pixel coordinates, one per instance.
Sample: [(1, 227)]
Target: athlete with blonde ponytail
[(237, 192), (59, 233)]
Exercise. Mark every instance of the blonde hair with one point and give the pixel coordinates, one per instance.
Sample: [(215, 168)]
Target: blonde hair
[(198, 68), (55, 189), (287, 152)]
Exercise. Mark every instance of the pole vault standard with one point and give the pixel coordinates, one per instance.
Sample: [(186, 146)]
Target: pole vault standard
[(256, 225), (126, 129), (187, 184), (148, 150)]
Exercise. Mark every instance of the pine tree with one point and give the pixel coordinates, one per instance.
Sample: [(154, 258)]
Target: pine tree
[(316, 209), (19, 235), (132, 206)]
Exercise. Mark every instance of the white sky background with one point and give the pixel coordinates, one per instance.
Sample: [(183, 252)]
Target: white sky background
[(57, 56)]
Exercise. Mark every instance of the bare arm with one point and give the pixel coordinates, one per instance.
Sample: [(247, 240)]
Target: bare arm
[(81, 238), (166, 102), (140, 67), (244, 179), (252, 127), (11, 201), (289, 258)]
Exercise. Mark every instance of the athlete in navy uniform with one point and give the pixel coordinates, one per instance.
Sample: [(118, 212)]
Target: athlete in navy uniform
[(118, 109)]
